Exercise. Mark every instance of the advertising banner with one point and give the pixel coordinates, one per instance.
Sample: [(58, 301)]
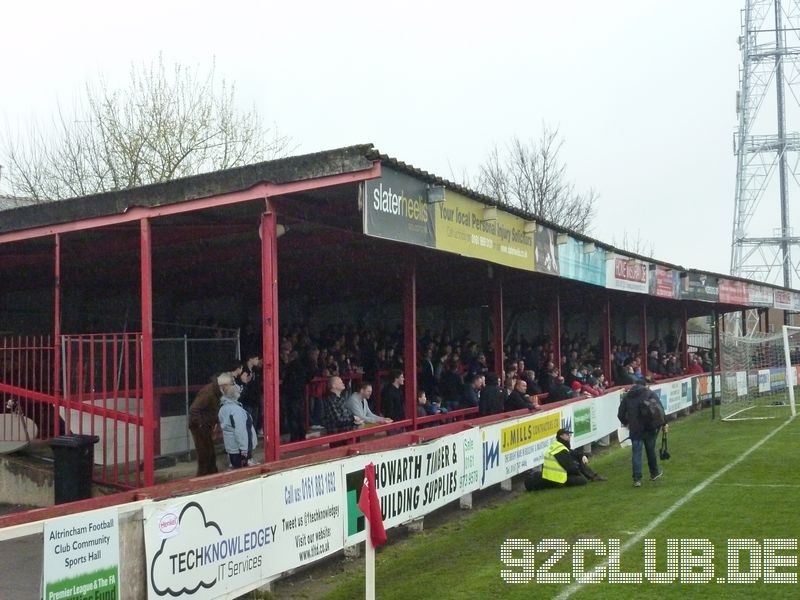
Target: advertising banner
[(396, 208), (515, 446), (589, 267), (412, 482), (783, 299), (627, 274), (545, 250), (732, 292), (763, 380), (592, 418), (664, 282), (81, 556), (699, 286), (674, 395), (227, 541), (461, 229), (702, 385), (758, 295)]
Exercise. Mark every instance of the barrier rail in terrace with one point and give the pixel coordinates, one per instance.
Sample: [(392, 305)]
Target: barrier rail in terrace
[(102, 383)]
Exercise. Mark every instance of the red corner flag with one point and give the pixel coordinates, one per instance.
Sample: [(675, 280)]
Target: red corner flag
[(370, 505)]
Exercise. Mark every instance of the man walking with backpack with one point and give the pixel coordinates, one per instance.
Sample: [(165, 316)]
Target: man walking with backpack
[(641, 412)]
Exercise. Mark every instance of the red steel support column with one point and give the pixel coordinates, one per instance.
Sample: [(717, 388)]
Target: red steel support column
[(269, 330), (685, 339), (57, 331), (555, 330), (497, 325), (607, 340), (766, 320), (643, 335), (147, 353), (410, 343), (716, 360)]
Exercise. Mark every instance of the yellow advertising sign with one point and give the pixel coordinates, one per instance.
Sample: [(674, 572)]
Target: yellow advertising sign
[(528, 432), (461, 228)]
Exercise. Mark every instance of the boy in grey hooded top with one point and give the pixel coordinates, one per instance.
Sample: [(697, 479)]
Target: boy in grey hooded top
[(238, 432)]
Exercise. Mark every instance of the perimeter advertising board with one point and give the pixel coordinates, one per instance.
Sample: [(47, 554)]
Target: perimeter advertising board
[(81, 556), (227, 541), (515, 446), (414, 481)]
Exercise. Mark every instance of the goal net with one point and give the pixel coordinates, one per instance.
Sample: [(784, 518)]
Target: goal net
[(759, 374)]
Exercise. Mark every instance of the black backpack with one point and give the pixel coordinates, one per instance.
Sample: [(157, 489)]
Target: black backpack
[(651, 413)]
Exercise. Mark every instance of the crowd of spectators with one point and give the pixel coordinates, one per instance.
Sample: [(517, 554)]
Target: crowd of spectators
[(456, 372)]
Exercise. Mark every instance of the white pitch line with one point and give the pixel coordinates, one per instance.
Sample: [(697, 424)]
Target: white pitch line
[(574, 587), (761, 485)]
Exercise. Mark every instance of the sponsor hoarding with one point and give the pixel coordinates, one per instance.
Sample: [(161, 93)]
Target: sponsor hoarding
[(664, 282), (81, 556), (628, 274), (575, 263)]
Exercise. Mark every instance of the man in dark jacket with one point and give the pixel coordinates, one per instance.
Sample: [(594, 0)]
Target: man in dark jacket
[(299, 374), (471, 396), (643, 434), (518, 399), (491, 402), (203, 421), (559, 391), (562, 466), (392, 400)]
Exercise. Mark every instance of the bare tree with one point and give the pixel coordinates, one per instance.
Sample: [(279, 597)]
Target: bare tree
[(635, 245), (532, 176), (165, 124)]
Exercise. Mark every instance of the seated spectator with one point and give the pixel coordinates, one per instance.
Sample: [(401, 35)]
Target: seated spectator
[(518, 398), (591, 387), (472, 391), (695, 368), (560, 391), (492, 400), (533, 386), (576, 387), (336, 417), (450, 387), (358, 403)]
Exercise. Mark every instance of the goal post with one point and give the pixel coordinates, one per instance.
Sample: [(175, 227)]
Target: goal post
[(759, 374)]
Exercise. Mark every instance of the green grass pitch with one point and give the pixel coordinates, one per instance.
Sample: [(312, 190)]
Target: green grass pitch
[(756, 498)]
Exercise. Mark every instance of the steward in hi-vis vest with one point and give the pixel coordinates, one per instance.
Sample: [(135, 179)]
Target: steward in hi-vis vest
[(562, 466)]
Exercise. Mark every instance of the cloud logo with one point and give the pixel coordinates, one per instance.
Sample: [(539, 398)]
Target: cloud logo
[(191, 518)]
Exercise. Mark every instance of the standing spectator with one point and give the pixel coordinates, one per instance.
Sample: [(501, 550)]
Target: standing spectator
[(251, 398), (634, 414), (203, 421), (491, 400), (392, 396), (299, 374), (238, 432)]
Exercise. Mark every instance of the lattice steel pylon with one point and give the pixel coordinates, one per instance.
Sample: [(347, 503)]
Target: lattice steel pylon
[(767, 152)]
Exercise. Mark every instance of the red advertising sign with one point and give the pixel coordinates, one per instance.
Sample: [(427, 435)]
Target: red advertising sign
[(630, 270), (662, 283), (732, 292)]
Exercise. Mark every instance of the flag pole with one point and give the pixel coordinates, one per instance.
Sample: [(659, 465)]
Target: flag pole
[(369, 555)]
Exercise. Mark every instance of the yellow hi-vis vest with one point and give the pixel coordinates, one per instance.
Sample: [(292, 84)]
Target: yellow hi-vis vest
[(552, 470)]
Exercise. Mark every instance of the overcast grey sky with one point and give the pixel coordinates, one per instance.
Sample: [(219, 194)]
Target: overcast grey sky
[(642, 91)]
